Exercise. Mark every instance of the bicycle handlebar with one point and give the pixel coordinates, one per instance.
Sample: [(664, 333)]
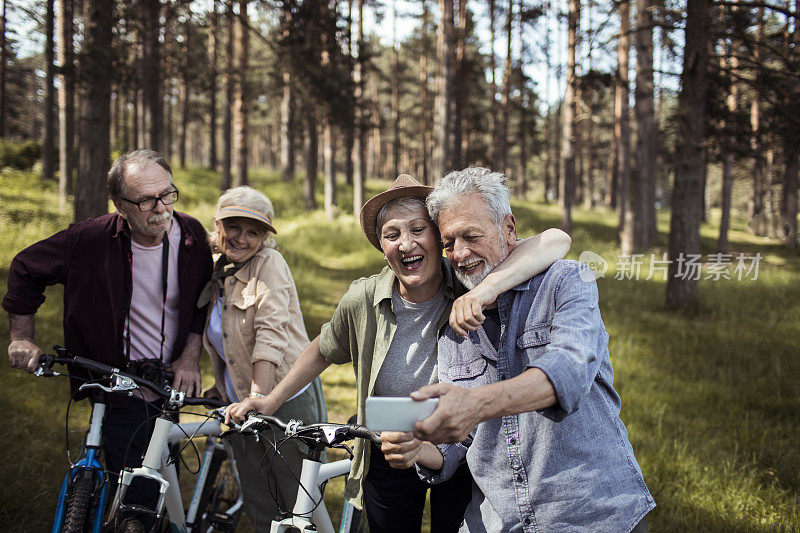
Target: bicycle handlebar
[(326, 433), (124, 381)]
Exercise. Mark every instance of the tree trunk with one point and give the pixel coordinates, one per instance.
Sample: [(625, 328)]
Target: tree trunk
[(727, 157), (312, 149), (494, 114), (395, 97), (151, 71), (66, 101), (568, 134), (423, 84), (212, 86), (241, 105), (459, 90), (96, 62), (3, 65), (501, 131), (641, 208), (442, 119), (359, 141), (684, 236), (622, 132), (48, 143), (227, 127)]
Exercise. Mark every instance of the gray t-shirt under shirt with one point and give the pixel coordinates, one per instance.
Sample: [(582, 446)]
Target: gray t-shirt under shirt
[(411, 360)]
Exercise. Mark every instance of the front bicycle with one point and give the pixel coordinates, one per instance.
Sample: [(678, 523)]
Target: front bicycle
[(309, 512)]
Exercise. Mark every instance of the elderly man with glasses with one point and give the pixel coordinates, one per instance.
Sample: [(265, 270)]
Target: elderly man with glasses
[(131, 282)]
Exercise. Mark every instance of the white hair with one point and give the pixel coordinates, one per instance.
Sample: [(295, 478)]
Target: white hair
[(245, 196), (490, 186)]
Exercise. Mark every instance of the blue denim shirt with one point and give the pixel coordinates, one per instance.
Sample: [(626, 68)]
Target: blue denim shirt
[(569, 467)]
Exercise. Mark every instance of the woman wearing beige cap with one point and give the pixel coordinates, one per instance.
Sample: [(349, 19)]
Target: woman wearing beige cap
[(254, 333), (388, 326)]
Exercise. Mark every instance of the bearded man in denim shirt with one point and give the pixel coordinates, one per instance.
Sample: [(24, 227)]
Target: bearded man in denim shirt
[(527, 397)]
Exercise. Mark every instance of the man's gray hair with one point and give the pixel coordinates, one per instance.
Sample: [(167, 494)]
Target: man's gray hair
[(407, 205), (115, 183), (490, 186)]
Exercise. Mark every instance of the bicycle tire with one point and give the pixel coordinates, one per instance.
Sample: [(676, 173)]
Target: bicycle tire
[(78, 504), (218, 489)]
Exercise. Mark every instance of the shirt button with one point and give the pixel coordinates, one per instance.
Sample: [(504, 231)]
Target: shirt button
[(225, 335), (513, 440), (519, 478), (225, 307), (527, 520), (502, 376), (516, 464)]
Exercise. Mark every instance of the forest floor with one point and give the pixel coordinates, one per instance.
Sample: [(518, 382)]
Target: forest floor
[(710, 399)]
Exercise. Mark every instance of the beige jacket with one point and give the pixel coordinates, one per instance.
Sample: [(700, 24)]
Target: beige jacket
[(261, 320)]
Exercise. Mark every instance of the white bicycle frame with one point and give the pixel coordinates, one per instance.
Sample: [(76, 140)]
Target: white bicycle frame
[(158, 467), (309, 512)]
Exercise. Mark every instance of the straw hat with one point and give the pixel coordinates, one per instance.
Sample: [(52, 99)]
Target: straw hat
[(404, 185)]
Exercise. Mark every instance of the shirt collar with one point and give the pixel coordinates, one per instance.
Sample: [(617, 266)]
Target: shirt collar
[(384, 286)]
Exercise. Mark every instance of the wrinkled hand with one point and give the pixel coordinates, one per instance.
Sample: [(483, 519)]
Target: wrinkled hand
[(238, 411), (401, 449), (455, 417), (467, 312), (187, 375), (24, 354)]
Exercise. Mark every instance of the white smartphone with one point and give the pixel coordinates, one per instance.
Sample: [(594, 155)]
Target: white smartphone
[(387, 413)]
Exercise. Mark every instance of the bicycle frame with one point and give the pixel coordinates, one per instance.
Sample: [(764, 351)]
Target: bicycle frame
[(306, 512), (90, 465), (158, 467)]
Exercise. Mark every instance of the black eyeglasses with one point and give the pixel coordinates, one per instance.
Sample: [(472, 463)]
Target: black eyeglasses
[(149, 203)]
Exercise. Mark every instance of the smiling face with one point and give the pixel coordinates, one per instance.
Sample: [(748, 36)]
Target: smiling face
[(144, 180), (239, 238), (472, 241), (411, 246)]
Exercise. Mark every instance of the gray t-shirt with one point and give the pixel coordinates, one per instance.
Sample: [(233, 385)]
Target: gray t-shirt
[(411, 360)]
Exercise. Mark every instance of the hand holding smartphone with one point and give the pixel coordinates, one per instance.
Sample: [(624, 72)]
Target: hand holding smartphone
[(387, 413)]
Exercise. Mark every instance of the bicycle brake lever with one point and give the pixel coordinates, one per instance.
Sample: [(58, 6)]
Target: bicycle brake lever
[(41, 371), (249, 423), (120, 384)]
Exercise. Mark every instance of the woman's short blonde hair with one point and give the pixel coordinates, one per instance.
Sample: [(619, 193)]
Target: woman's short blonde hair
[(251, 199)]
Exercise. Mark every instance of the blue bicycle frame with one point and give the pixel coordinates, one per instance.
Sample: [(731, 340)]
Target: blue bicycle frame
[(87, 466)]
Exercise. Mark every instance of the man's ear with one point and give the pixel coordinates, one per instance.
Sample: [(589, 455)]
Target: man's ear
[(510, 229), (120, 211)]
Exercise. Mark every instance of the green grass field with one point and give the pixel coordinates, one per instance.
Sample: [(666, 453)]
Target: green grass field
[(711, 399)]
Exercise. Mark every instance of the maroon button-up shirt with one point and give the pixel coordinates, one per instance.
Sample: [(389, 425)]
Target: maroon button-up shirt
[(92, 259)]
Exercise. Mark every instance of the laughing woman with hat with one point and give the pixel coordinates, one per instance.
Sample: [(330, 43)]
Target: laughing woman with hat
[(254, 333), (388, 326)]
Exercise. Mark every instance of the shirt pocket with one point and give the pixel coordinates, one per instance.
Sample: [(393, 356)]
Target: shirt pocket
[(247, 298), (537, 336), (470, 369)]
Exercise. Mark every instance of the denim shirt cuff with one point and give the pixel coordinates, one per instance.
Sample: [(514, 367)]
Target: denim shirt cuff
[(568, 384), (453, 455)]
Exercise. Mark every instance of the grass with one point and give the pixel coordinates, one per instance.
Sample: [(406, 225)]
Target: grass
[(710, 399)]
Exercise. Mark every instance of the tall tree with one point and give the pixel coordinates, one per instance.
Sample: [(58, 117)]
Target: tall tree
[(423, 87), (359, 141), (230, 82), (3, 67), (501, 131), (621, 123), (213, 18), (729, 141), (460, 88), (151, 69), (687, 197), (287, 105), (442, 118), (636, 234), (756, 203), (96, 63), (241, 118), (568, 142), (48, 143), (395, 96), (790, 137)]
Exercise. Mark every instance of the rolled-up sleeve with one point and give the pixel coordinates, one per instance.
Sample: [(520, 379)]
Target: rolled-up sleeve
[(33, 269), (569, 359), (454, 456), (335, 336)]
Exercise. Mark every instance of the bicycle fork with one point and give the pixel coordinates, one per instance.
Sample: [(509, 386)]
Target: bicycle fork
[(89, 465), (149, 469)]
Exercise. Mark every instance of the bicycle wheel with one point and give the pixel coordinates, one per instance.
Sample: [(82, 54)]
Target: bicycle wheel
[(220, 493), (78, 504)]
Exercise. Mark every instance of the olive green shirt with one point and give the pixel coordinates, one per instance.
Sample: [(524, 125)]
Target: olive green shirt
[(360, 331)]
